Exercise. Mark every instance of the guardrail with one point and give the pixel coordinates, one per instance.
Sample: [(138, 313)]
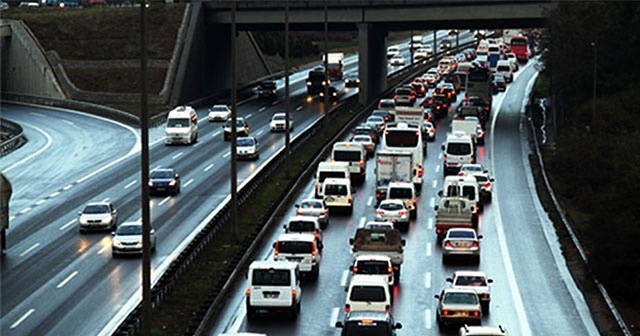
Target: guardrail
[(129, 326), (14, 138)]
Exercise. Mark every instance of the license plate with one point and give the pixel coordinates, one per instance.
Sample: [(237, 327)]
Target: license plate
[(294, 258), (270, 295)]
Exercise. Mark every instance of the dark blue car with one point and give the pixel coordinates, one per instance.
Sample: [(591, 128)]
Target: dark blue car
[(164, 181)]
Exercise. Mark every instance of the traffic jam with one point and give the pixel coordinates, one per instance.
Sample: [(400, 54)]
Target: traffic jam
[(394, 139)]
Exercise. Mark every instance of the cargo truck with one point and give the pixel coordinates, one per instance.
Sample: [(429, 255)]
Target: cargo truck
[(392, 166), (386, 242), (454, 212), (334, 65)]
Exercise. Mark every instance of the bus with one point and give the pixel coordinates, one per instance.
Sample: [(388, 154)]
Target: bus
[(479, 85), (407, 137), (520, 47)]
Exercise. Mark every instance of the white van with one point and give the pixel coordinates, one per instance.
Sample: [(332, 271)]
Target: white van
[(328, 169), (368, 293), (273, 286), (466, 186), (181, 126), (458, 150), (338, 194), (300, 248), (355, 154)]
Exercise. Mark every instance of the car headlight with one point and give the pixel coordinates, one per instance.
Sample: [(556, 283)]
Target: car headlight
[(151, 183), (116, 242), (173, 183)]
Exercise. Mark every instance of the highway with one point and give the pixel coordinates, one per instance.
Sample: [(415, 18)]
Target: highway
[(56, 281)]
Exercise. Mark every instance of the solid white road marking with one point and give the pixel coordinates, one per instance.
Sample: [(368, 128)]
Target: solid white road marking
[(238, 319), (38, 152), (33, 247), (21, 319), (65, 281), (130, 184)]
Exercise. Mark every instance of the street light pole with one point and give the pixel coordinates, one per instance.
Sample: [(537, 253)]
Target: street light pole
[(286, 89), (234, 130), (595, 63), (326, 63)]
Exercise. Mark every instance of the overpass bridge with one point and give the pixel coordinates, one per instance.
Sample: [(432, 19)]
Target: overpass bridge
[(205, 66)]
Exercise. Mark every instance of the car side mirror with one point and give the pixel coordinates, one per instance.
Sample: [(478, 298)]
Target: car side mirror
[(490, 280), (436, 296), (443, 147), (246, 275), (79, 213), (284, 226), (354, 191), (435, 208), (398, 325), (449, 280), (440, 193), (297, 206), (351, 267), (404, 242), (492, 179), (177, 176), (339, 324), (479, 236), (274, 244), (113, 233), (351, 241)]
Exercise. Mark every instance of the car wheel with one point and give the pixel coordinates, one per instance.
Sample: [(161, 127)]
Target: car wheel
[(439, 321), (251, 313), (295, 311), (444, 259), (477, 260), (114, 255), (413, 214), (485, 308)]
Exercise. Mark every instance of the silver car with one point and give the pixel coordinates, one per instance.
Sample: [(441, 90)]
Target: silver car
[(485, 182), (395, 211), (461, 242), (458, 306), (314, 207), (127, 239), (98, 216)]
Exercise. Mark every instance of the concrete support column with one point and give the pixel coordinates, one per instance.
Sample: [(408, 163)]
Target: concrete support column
[(372, 61)]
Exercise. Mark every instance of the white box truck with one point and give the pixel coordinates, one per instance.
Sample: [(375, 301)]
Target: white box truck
[(392, 166)]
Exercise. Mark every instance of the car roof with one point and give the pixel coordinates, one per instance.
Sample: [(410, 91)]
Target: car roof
[(163, 169), (98, 203), (470, 273), (459, 290), (368, 279), (483, 331), (136, 223), (386, 201), (303, 218), (373, 257), (262, 264), (295, 236)]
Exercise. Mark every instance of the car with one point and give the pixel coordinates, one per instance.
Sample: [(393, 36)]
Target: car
[(393, 51), (368, 293), (299, 248), (388, 117), (164, 181), (219, 112), (268, 89), (379, 225), (98, 216), (375, 264), (377, 122), (428, 131), (305, 225), (367, 142), (482, 176), (334, 94), (404, 96), (387, 104), (466, 330), (366, 129), (395, 211), (447, 90), (370, 323), (4, 5), (435, 74), (445, 44), (316, 208), (438, 105), (476, 281), (247, 148), (127, 239), (458, 306), (351, 80), (273, 286), (420, 86), (498, 83), (278, 122), (513, 60), (397, 60), (242, 128), (461, 242), (422, 55)]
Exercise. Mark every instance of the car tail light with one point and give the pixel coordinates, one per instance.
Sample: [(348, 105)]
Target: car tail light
[(323, 212), (275, 250), (402, 212), (487, 185), (317, 234), (475, 244), (447, 244), (472, 160), (355, 269), (387, 308), (248, 292), (298, 212), (461, 173), (446, 312), (445, 158), (485, 296), (294, 293), (347, 308), (438, 231), (420, 171), (380, 212), (349, 199), (389, 269), (475, 313), (314, 250)]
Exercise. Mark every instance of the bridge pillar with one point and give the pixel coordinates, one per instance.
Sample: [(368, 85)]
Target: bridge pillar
[(372, 61)]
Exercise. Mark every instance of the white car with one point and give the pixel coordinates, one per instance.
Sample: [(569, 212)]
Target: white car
[(393, 51), (98, 216), (485, 182), (305, 225), (422, 54), (247, 148), (278, 122), (514, 61), (461, 242), (395, 211), (476, 281), (127, 239), (273, 286), (428, 131), (379, 225), (397, 60), (314, 207), (375, 264), (219, 113), (367, 142)]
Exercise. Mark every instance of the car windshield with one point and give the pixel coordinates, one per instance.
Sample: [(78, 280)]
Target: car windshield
[(368, 293), (335, 189), (219, 108), (458, 148), (244, 142), (330, 174), (267, 85), (391, 206), (461, 234), (161, 174), (460, 298), (96, 209), (387, 104), (368, 328), (375, 119), (481, 178), (271, 277), (129, 230), (239, 123), (279, 117), (302, 226), (467, 280), (362, 138), (472, 169), (178, 122)]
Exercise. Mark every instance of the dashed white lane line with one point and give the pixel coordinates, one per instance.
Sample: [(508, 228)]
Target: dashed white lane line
[(434, 184), (259, 132), (430, 223), (362, 221), (429, 249), (275, 102), (67, 279), (103, 249), (21, 319), (299, 108), (427, 280), (437, 169), (427, 320), (237, 323), (67, 187), (33, 247), (440, 156), (188, 183), (334, 316), (208, 167), (248, 116), (37, 114), (40, 202), (25, 210), (262, 109), (68, 122), (215, 134), (165, 200), (343, 279), (130, 184), (157, 167), (226, 155), (370, 201), (54, 194), (432, 202), (177, 155), (69, 223)]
